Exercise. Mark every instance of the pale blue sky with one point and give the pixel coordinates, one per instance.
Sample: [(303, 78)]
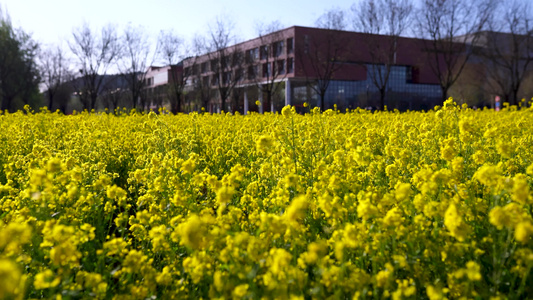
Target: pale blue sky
[(51, 21)]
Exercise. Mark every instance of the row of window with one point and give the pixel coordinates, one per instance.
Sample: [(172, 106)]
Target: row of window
[(232, 60), (280, 67), (352, 94), (402, 78), (276, 49), (398, 84)]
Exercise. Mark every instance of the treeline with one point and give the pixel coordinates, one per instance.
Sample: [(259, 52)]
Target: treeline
[(94, 69), (19, 72), (105, 67)]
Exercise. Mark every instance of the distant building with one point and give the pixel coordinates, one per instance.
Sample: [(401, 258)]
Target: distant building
[(290, 64), (111, 94), (500, 67), (159, 81)]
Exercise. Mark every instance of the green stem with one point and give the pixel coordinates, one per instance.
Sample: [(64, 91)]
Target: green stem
[(293, 146)]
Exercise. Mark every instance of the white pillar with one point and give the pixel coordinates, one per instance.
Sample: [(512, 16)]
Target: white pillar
[(287, 92), (245, 102), (272, 105)]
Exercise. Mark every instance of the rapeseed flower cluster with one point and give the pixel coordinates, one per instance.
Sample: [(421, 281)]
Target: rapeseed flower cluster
[(360, 205)]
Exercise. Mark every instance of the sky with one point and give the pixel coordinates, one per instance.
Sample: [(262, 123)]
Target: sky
[(52, 21)]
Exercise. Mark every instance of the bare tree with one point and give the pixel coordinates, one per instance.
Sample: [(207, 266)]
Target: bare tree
[(95, 53), (172, 50), (507, 49), (203, 92), (267, 71), (449, 27), (116, 94), (385, 21), (471, 87), (137, 55), (225, 61), (333, 19), (323, 55), (199, 82), (55, 73)]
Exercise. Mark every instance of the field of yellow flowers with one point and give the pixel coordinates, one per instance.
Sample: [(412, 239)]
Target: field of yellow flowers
[(416, 205)]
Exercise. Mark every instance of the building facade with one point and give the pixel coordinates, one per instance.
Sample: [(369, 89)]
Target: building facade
[(326, 68), (500, 67), (161, 83)]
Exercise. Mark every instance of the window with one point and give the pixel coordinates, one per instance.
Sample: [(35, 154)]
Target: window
[(205, 81), (264, 52), (255, 53), (239, 75), (226, 78), (280, 67), (224, 62), (290, 46), (252, 55), (278, 48), (203, 67), (214, 80), (267, 69), (236, 58), (252, 72), (290, 65), (214, 65), (413, 74), (306, 44)]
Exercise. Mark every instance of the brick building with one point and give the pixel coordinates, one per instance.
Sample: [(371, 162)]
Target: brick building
[(302, 64), (160, 82)]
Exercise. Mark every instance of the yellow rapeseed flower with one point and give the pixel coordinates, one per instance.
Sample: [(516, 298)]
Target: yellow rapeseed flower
[(523, 231), (455, 223), (11, 278), (46, 279), (192, 232)]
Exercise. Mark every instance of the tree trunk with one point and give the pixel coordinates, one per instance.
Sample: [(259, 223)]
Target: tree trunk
[(6, 104), (382, 98), (269, 98), (444, 93), (63, 108), (178, 103), (93, 102), (222, 104), (50, 100), (514, 99)]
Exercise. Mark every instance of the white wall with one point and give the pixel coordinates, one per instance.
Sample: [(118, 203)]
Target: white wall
[(161, 78)]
